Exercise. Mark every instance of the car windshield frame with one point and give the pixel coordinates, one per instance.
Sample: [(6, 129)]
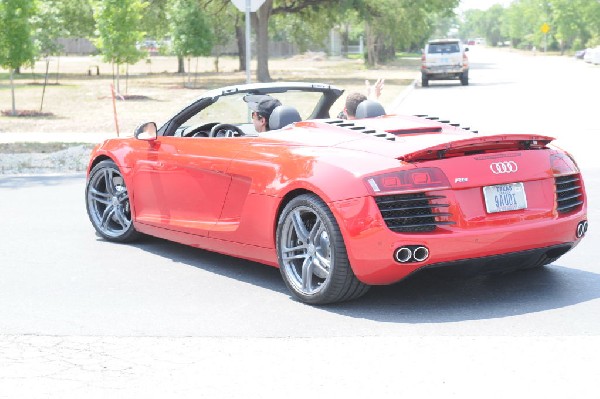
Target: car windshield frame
[(324, 96)]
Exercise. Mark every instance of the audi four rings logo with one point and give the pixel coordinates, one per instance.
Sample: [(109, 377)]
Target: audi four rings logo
[(504, 167)]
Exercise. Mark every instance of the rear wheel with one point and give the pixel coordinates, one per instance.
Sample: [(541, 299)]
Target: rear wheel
[(464, 78), (424, 80), (312, 255), (107, 203)]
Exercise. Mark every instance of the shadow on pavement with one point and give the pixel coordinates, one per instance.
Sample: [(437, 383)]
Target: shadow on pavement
[(435, 296), (441, 298)]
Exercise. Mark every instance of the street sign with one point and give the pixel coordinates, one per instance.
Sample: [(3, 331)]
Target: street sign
[(254, 4), (545, 28), (248, 6)]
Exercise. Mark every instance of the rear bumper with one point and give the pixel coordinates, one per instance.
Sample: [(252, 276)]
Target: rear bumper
[(437, 74), (507, 262), (371, 245)]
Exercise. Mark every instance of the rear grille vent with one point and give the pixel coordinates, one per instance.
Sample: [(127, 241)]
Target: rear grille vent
[(569, 197), (404, 213), (352, 126)]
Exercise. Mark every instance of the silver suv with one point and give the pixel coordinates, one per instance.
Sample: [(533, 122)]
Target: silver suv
[(444, 59)]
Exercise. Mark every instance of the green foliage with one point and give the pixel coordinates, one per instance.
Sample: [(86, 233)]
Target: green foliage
[(77, 16), (155, 16), (16, 31), (407, 27), (222, 17), (119, 23), (49, 26), (191, 32), (573, 23), (305, 28)]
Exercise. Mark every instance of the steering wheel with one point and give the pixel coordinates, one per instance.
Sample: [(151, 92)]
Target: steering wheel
[(225, 130)]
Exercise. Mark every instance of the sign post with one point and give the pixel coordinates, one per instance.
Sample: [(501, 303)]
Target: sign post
[(248, 6), (545, 28)]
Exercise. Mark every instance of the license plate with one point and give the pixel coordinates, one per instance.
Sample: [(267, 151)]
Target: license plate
[(504, 197)]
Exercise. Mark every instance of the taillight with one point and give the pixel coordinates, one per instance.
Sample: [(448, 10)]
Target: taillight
[(420, 179), (562, 164)]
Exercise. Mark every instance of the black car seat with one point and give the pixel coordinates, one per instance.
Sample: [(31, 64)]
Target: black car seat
[(282, 116), (369, 109)]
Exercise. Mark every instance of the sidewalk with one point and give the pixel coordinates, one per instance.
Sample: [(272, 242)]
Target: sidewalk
[(62, 137)]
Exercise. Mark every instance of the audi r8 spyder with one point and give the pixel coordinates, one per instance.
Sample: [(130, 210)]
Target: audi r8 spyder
[(337, 205)]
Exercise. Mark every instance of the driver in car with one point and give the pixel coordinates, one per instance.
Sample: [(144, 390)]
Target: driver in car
[(261, 105)]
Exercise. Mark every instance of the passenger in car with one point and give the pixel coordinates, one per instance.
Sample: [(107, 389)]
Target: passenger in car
[(354, 99), (261, 105)]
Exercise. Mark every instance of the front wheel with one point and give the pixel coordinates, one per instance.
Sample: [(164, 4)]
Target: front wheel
[(312, 255), (107, 203)]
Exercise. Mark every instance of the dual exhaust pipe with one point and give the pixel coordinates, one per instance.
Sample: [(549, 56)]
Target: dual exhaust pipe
[(411, 253)]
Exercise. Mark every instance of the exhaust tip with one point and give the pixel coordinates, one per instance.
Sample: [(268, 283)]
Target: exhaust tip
[(403, 254), (420, 254)]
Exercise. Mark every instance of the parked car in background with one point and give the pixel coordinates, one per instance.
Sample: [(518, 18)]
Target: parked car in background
[(444, 59), (592, 55), (580, 54), (595, 56)]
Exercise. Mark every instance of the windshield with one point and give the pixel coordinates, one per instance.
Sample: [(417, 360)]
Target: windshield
[(437, 48), (232, 108)]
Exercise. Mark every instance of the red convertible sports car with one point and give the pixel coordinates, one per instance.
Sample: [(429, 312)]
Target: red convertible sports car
[(337, 205)]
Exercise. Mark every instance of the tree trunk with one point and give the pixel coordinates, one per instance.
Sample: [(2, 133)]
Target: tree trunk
[(180, 65), (261, 25), (345, 40), (12, 90), (371, 50), (240, 35)]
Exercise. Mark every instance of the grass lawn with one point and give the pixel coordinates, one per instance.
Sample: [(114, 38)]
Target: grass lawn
[(78, 100)]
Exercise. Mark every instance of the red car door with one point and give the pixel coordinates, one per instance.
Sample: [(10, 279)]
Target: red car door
[(180, 183)]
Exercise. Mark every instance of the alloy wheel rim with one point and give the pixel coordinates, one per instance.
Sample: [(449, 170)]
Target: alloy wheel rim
[(306, 251), (108, 202)]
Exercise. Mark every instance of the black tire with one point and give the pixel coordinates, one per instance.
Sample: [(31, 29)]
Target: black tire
[(107, 203), (312, 255), (424, 80), (464, 78)]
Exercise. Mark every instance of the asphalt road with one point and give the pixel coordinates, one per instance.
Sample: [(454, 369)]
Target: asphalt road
[(84, 318)]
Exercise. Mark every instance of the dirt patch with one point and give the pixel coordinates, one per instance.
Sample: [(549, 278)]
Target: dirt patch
[(26, 113), (153, 91)]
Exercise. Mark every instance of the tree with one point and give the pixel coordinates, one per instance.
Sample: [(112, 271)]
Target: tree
[(408, 26), (260, 22), (78, 17), (49, 26), (192, 36), (16, 44), (224, 20), (118, 23)]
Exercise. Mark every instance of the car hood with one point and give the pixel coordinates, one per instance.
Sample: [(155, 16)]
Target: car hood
[(409, 139)]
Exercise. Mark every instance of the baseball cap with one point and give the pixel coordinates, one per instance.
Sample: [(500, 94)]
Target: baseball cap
[(262, 103)]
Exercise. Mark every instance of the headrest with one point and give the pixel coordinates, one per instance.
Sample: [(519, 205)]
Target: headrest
[(369, 109), (282, 116)]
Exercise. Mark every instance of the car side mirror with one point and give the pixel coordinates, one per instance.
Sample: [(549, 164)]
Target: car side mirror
[(146, 131)]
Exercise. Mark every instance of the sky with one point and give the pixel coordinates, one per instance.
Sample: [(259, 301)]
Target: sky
[(481, 4)]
